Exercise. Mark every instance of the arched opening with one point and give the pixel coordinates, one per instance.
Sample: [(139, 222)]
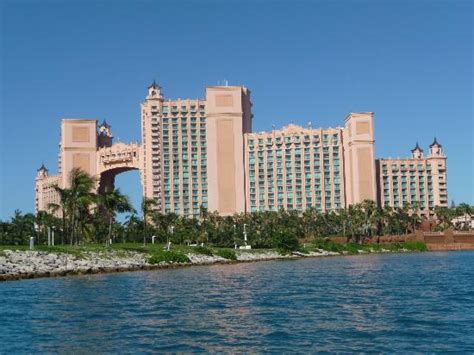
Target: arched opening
[(129, 184), (127, 180)]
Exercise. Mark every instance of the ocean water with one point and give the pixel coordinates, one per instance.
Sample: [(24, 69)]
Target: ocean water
[(372, 303)]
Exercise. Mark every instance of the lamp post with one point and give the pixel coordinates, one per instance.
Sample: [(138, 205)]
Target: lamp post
[(37, 229), (245, 234), (168, 237), (235, 244)]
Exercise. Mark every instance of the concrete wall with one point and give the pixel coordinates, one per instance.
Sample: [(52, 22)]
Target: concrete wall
[(449, 240)]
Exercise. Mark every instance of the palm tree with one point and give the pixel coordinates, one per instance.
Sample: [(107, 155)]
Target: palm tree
[(81, 198), (4, 229), (356, 219), (415, 215), (64, 200), (147, 209), (45, 220), (444, 216), (41, 222), (369, 210), (465, 212), (134, 227), (114, 202), (22, 226), (75, 202)]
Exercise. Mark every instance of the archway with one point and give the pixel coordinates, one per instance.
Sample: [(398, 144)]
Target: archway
[(107, 178)]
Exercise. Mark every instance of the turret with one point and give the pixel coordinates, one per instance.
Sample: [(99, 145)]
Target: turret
[(417, 152), (105, 135), (41, 173), (436, 149), (154, 91)]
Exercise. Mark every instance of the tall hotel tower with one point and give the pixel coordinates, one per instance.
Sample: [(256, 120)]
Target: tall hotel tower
[(193, 150), (202, 152)]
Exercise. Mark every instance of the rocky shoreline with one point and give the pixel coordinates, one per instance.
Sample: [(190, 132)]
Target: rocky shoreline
[(16, 265)]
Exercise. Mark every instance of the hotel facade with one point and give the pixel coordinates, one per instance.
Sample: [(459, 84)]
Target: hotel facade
[(202, 152)]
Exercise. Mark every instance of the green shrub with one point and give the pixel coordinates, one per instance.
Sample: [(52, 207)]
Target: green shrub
[(285, 242), (353, 248), (379, 247), (168, 257), (227, 254), (328, 245), (414, 245), (203, 251), (303, 250)]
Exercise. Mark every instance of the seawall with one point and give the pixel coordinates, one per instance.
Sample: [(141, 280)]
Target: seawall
[(435, 241)]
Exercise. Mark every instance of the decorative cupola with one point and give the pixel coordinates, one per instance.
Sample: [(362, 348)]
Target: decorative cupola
[(154, 91), (42, 172), (105, 134), (436, 149), (417, 152)]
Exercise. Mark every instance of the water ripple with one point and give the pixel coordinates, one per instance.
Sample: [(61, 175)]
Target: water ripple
[(373, 303)]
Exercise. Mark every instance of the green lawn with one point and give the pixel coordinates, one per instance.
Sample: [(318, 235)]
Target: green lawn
[(157, 252), (353, 248), (178, 251)]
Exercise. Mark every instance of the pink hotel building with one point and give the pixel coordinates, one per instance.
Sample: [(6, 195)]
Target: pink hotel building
[(202, 152)]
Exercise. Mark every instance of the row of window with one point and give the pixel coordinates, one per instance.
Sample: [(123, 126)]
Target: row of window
[(183, 120), (186, 210), (403, 168), (182, 108), (298, 207), (293, 139)]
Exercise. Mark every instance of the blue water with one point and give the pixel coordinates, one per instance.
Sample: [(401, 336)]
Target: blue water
[(397, 302)]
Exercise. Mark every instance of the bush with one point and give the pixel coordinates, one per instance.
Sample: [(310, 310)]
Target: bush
[(303, 250), (203, 251), (285, 242), (414, 245), (328, 245), (168, 257), (227, 254), (353, 248)]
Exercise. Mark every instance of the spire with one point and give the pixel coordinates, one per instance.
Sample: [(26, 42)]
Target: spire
[(105, 134), (154, 85), (435, 142), (417, 147), (154, 91), (104, 124), (42, 168)]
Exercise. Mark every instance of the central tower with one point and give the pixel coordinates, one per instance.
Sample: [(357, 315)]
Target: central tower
[(228, 109), (359, 157)]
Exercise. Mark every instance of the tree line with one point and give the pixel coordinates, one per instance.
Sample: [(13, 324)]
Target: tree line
[(87, 217)]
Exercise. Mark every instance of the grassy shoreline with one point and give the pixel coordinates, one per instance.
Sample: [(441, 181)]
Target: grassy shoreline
[(158, 250), (94, 259)]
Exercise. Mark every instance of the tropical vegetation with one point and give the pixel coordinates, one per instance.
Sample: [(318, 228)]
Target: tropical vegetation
[(87, 217)]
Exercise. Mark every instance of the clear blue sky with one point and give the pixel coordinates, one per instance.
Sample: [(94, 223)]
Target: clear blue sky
[(408, 61)]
